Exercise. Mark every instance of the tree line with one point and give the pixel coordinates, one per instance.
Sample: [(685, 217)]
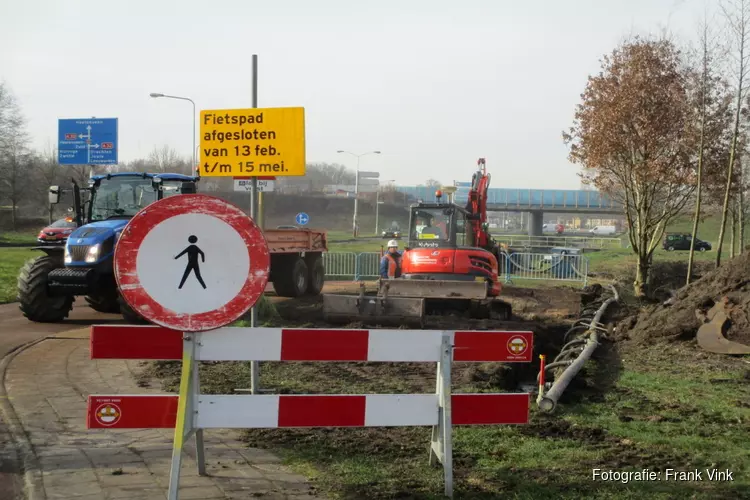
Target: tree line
[(663, 128), (26, 173)]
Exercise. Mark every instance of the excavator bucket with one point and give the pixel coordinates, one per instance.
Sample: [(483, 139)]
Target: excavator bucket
[(433, 289), (374, 309), (710, 335)]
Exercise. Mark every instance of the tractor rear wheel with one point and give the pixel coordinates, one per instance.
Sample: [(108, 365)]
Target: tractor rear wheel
[(291, 277), (34, 298), (317, 277), (129, 314)]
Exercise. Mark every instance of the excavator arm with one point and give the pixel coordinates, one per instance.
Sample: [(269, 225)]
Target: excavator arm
[(477, 205)]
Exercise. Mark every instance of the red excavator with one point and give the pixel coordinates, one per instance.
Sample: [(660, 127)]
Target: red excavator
[(450, 264)]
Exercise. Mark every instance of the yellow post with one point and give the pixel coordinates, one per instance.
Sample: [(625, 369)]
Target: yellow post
[(179, 429), (261, 212)]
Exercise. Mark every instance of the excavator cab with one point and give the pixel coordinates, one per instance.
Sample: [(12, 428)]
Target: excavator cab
[(438, 226)]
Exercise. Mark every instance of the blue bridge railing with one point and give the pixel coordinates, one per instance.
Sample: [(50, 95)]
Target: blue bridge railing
[(522, 198)]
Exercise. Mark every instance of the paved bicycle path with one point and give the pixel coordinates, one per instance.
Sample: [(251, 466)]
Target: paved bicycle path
[(47, 386)]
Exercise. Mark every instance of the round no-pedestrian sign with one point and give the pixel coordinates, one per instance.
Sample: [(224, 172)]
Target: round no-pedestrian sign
[(191, 263)]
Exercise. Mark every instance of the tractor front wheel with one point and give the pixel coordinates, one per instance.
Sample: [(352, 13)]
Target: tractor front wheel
[(34, 298), (103, 303), (129, 314)]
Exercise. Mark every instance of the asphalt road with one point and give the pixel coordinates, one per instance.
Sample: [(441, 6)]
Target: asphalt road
[(15, 330)]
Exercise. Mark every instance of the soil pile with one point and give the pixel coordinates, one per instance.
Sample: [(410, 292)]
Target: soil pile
[(675, 319)]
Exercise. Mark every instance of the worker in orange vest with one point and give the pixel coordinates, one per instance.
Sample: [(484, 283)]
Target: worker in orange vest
[(390, 264)]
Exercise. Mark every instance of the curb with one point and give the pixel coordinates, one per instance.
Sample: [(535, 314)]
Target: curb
[(34, 489)]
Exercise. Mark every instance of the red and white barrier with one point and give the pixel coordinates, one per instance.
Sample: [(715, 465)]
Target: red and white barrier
[(301, 344), (191, 412), (350, 410)]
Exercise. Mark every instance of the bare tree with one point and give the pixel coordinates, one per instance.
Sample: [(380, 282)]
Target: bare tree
[(737, 15), (15, 155), (317, 176), (632, 131), (165, 159), (712, 101), (49, 173)]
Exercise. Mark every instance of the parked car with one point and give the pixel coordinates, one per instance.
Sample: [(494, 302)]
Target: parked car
[(57, 232), (674, 242)]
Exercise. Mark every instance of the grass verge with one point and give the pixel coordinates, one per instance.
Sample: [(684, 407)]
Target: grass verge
[(18, 238), (11, 261), (624, 414)]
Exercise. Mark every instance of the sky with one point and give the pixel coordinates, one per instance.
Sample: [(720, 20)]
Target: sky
[(433, 84)]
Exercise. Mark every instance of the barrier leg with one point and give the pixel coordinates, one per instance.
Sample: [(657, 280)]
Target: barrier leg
[(441, 445), (200, 450), (436, 442), (183, 418), (446, 416)]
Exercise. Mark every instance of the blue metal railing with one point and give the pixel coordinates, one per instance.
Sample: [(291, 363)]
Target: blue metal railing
[(549, 267)]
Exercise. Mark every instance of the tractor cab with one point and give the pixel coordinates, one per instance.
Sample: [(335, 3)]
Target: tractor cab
[(121, 195)]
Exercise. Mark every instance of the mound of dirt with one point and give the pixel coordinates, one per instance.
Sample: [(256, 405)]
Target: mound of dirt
[(675, 319)]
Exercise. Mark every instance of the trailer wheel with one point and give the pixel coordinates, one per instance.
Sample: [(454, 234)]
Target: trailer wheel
[(34, 299), (292, 279), (129, 314), (317, 275)]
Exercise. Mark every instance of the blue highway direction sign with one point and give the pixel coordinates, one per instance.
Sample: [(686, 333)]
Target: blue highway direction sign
[(302, 218), (87, 141)]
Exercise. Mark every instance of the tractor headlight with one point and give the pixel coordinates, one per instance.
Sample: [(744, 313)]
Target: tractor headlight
[(93, 253), (67, 258)]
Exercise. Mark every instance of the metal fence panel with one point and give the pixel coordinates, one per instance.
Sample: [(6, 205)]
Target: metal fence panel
[(539, 266), (340, 264), (559, 241), (368, 265)]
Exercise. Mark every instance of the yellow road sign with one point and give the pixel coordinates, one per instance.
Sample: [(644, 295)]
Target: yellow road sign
[(252, 142)]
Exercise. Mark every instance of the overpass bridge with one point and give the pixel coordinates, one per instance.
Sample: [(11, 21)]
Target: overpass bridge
[(534, 201)]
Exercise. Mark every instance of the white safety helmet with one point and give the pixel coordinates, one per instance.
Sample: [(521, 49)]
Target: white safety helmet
[(393, 244)]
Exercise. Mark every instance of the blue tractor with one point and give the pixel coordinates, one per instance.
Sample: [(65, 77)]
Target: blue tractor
[(49, 284)]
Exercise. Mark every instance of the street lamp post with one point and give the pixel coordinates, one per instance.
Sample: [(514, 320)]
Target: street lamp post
[(195, 151), (377, 207), (356, 186)]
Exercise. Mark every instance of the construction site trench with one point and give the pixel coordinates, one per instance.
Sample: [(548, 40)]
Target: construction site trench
[(547, 312)]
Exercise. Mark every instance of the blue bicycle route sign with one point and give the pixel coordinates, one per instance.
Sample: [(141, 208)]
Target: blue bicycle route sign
[(302, 218), (87, 141)]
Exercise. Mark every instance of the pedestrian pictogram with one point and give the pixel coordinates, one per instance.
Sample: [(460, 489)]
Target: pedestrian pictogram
[(192, 252), (191, 263), (108, 414), (517, 345)]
